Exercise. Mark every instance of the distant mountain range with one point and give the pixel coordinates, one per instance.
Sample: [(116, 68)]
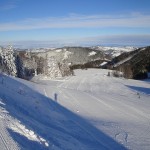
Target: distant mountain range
[(134, 62), (80, 55)]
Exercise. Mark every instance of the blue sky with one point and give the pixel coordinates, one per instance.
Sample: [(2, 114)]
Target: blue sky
[(75, 22)]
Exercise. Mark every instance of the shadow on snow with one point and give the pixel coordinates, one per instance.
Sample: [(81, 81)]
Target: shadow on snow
[(61, 128), (140, 89)]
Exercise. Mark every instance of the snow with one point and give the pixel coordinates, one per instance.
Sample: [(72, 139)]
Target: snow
[(58, 50), (106, 48), (53, 69), (92, 112), (114, 51), (123, 61), (66, 54), (92, 53), (142, 49), (103, 63), (39, 50), (8, 60)]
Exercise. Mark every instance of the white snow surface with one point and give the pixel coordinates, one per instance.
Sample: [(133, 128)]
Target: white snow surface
[(103, 63), (114, 51), (92, 53), (118, 48), (58, 50), (88, 111)]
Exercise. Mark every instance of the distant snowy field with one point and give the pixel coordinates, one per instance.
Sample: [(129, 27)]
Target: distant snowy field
[(88, 111), (114, 51)]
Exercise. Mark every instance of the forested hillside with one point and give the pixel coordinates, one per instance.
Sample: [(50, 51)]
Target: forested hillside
[(134, 64)]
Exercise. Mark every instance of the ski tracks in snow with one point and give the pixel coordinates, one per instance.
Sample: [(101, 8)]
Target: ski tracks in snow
[(72, 101), (5, 139), (122, 137), (78, 123), (101, 97), (4, 144)]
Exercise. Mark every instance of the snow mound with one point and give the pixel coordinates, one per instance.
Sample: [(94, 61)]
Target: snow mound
[(92, 53), (58, 50)]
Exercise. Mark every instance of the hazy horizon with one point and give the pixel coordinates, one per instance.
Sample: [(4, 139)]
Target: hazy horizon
[(84, 42)]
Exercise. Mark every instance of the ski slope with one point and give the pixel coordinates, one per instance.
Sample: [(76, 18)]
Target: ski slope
[(88, 111)]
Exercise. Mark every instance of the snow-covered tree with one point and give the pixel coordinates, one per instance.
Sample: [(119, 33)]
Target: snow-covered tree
[(26, 65), (29, 67), (55, 69), (7, 59), (65, 70), (52, 69)]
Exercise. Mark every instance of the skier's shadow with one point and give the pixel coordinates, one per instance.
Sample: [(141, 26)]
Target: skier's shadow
[(56, 97)]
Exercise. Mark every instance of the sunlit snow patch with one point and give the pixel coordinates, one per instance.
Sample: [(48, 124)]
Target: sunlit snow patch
[(104, 63), (66, 54), (29, 134), (58, 50), (1, 103)]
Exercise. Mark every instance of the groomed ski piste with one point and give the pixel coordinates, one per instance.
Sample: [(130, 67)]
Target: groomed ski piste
[(87, 111)]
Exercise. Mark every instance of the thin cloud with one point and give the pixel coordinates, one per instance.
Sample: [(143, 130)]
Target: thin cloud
[(8, 5), (79, 21)]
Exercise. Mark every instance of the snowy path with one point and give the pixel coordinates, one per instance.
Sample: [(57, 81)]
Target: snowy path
[(91, 133), (109, 105)]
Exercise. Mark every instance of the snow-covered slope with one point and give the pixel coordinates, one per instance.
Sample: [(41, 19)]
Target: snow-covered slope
[(114, 51), (88, 111)]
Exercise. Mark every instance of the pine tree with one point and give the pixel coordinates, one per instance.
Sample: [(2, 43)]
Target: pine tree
[(65, 70), (8, 61), (52, 69)]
